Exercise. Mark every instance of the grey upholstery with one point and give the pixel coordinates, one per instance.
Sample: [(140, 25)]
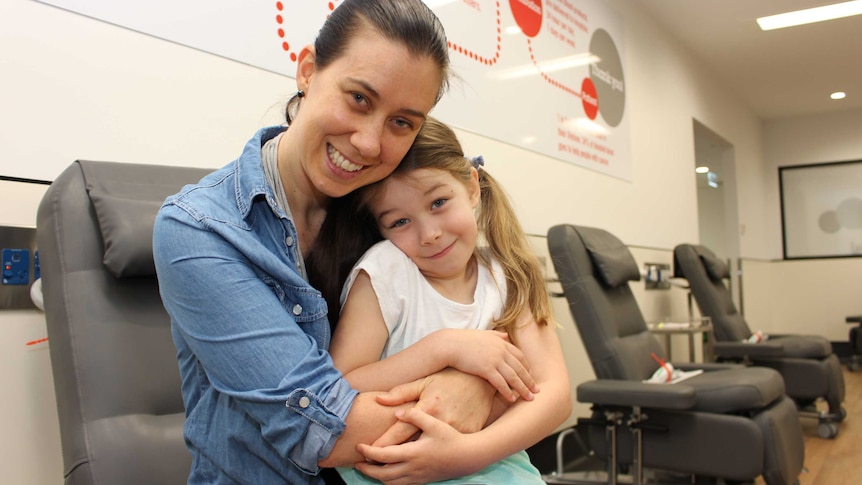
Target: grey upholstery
[(114, 363), (731, 422), (809, 367)]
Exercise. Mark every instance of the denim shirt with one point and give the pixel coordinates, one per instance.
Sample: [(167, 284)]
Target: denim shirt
[(263, 400)]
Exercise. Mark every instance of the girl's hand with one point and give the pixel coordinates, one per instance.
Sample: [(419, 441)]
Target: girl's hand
[(441, 452), (490, 355)]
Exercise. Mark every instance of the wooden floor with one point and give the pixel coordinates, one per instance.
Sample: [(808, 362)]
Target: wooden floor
[(836, 461)]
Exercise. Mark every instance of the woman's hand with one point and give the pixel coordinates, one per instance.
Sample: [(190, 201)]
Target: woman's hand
[(441, 452), (490, 355), (463, 401)]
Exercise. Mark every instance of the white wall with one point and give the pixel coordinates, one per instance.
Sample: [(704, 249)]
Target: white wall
[(811, 296), (77, 88)]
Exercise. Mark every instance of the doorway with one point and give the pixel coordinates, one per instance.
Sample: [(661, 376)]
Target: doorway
[(717, 212)]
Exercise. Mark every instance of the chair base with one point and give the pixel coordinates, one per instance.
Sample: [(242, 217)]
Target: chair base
[(827, 422)]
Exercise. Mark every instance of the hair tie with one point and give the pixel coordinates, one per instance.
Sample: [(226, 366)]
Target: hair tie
[(477, 162)]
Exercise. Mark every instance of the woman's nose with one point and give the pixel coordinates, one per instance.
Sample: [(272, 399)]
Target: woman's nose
[(367, 139)]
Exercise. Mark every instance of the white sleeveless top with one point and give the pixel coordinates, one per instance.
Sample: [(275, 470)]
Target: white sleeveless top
[(412, 308)]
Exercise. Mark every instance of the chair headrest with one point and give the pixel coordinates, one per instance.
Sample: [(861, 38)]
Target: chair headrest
[(613, 260), (126, 199), (715, 267)]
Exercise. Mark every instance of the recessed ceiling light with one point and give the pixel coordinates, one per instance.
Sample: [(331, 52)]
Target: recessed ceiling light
[(702, 169), (810, 15), (838, 95)]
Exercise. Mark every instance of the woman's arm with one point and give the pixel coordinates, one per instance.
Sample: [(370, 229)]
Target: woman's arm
[(361, 335), (521, 426)]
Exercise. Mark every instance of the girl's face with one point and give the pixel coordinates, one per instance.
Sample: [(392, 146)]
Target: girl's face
[(428, 215), (360, 114)]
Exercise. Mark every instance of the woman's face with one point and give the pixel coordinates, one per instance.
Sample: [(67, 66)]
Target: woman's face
[(360, 113)]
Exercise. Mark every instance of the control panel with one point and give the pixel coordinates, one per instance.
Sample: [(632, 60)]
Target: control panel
[(16, 266), (19, 267)]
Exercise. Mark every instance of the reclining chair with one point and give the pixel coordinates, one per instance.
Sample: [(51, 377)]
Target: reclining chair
[(806, 362), (729, 423), (114, 363)]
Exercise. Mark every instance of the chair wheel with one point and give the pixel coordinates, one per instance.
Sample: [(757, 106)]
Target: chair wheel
[(827, 430)]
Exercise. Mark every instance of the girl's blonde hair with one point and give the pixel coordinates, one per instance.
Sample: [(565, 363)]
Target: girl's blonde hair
[(437, 147)]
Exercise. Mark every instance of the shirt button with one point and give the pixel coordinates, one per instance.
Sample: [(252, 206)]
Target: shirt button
[(289, 241), (304, 402), (297, 309)]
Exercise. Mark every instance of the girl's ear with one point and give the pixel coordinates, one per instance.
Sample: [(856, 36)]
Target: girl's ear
[(305, 68), (473, 188)]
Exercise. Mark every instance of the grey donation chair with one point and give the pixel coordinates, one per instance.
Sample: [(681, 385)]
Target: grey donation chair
[(729, 423), (806, 362), (114, 363)]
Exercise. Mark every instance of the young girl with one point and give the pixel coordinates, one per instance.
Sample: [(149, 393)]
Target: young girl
[(431, 268)]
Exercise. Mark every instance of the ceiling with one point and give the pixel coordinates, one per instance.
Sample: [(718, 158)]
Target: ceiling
[(779, 73)]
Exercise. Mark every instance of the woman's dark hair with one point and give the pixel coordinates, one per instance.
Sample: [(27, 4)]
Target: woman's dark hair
[(347, 232), (408, 22)]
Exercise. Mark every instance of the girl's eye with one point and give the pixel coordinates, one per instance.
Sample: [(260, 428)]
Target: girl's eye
[(398, 223), (437, 203)]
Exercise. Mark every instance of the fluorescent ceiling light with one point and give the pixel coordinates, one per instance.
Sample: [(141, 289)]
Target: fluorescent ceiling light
[(838, 95), (702, 169), (811, 15)]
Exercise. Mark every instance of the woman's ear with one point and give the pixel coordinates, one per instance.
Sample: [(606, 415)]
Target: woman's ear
[(305, 68)]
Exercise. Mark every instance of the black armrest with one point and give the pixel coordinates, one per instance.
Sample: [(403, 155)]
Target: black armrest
[(739, 350), (854, 319), (707, 366), (610, 392)]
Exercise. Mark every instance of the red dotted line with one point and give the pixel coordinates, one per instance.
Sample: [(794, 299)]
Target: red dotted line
[(488, 61), (279, 19), (549, 79)]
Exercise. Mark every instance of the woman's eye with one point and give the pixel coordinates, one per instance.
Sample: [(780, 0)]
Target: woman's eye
[(359, 98), (402, 123)]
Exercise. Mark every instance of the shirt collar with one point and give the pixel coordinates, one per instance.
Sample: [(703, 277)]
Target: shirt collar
[(251, 179)]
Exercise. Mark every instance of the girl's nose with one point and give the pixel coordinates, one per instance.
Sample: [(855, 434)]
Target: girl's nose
[(429, 233)]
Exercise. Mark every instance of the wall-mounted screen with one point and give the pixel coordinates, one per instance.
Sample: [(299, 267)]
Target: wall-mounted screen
[(821, 209)]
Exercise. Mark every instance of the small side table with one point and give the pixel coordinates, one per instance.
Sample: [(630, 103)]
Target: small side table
[(686, 326)]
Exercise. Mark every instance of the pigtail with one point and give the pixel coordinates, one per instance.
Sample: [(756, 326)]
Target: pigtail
[(507, 241)]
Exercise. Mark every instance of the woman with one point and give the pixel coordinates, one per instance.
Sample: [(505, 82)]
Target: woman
[(264, 403)]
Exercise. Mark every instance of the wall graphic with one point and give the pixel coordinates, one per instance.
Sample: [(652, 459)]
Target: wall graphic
[(545, 75)]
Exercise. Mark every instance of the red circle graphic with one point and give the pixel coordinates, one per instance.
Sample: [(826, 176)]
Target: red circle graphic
[(528, 15), (589, 98)]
